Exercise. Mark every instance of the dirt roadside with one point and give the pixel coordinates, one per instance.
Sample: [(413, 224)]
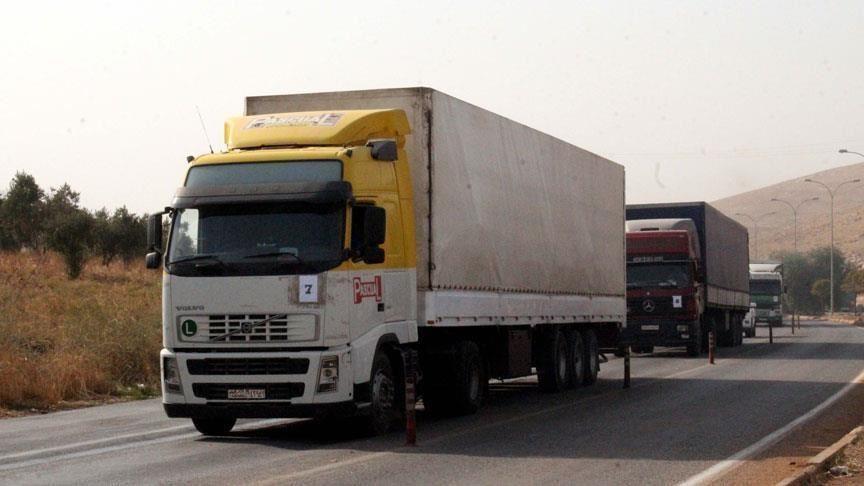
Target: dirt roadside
[(791, 453)]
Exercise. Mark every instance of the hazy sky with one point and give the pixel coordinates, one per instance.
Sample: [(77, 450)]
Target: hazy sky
[(699, 100)]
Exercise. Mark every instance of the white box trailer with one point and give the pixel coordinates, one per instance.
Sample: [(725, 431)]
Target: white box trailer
[(486, 247), (513, 225)]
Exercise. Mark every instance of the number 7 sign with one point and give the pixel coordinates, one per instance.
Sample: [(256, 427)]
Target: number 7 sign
[(308, 289)]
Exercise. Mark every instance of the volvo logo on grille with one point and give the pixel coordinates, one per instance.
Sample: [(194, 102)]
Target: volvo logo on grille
[(246, 327), (648, 305)]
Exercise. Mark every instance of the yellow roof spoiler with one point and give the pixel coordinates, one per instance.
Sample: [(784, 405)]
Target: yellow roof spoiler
[(316, 128)]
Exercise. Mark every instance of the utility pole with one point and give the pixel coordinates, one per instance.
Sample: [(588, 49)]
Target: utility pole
[(795, 208), (755, 230), (831, 193)]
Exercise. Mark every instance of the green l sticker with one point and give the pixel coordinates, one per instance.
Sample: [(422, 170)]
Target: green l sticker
[(189, 328)]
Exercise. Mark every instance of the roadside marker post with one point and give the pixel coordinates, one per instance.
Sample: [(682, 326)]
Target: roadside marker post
[(627, 367), (410, 360), (712, 343), (770, 332)]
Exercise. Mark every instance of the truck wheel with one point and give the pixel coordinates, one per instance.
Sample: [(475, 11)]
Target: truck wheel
[(462, 390), (553, 374), (738, 327), (214, 426), (695, 348), (577, 358), (592, 357), (471, 381), (382, 414)]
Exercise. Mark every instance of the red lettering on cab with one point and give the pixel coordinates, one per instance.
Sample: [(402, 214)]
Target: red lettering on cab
[(364, 290)]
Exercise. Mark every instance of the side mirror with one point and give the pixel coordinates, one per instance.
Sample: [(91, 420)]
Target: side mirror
[(368, 232), (154, 232), (154, 259)]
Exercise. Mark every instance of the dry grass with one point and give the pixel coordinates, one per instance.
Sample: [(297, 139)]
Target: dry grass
[(70, 340)]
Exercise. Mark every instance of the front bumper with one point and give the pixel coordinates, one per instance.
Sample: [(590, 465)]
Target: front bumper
[(260, 410), (655, 332), (207, 390)]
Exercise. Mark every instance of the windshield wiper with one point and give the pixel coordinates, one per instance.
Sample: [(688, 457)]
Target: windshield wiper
[(199, 258), (296, 258)]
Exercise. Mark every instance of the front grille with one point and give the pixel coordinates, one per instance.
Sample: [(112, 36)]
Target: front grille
[(272, 391), (291, 328), (248, 366), (660, 306)]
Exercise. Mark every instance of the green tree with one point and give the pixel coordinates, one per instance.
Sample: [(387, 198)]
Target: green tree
[(105, 237), (69, 236), (853, 283), (22, 212), (802, 270), (69, 228), (821, 289)]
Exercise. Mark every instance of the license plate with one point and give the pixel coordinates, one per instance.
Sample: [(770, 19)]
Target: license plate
[(246, 394), (651, 327)]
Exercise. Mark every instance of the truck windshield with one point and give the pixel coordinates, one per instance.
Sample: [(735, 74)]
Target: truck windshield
[(256, 239), (673, 275), (764, 287)]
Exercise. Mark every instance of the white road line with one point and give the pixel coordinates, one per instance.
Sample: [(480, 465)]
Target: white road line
[(741, 456), (78, 445), (118, 447)]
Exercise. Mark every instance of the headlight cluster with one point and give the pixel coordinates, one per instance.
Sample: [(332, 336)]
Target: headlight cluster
[(328, 374), (171, 375)]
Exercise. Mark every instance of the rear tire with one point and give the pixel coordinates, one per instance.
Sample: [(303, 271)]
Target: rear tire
[(577, 358), (214, 426), (462, 389), (553, 370), (592, 356)]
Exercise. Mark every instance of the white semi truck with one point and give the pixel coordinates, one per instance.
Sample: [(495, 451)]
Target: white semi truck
[(340, 232)]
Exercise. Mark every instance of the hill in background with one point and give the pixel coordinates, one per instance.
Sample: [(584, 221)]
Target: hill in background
[(776, 232)]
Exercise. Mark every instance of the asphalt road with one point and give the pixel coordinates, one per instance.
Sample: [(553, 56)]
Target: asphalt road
[(680, 418)]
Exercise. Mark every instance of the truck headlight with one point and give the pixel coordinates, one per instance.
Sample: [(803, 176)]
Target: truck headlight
[(328, 374), (171, 375)]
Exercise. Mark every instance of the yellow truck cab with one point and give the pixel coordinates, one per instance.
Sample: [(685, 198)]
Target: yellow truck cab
[(326, 244)]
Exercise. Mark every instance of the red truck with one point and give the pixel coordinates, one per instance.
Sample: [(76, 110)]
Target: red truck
[(687, 275)]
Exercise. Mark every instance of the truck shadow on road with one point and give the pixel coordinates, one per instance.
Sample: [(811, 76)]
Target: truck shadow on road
[(681, 419)]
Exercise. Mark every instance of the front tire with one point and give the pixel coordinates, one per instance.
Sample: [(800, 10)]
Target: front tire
[(214, 426), (382, 412)]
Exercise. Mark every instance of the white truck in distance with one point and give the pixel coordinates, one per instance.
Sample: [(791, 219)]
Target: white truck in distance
[(340, 232)]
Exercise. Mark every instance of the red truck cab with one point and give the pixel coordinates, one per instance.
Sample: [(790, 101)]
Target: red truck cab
[(663, 285)]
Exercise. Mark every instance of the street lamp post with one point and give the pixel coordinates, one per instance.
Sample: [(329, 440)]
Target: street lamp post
[(795, 208), (831, 193), (755, 230), (844, 151)]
